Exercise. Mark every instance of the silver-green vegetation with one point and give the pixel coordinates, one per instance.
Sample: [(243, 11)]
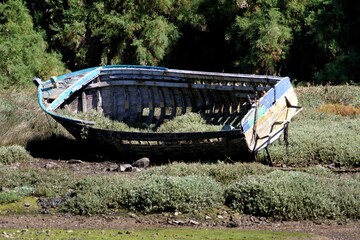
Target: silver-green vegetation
[(320, 135), (313, 192), (188, 122)]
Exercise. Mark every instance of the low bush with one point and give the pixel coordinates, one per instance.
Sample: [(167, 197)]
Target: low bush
[(12, 154), (295, 196), (189, 122), (43, 183), (98, 195), (224, 173), (9, 197), (166, 193), (14, 195)]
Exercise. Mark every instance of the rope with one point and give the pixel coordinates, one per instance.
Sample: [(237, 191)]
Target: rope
[(286, 138)]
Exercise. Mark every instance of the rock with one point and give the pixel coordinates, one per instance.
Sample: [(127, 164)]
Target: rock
[(125, 168), (113, 167), (193, 222), (51, 165), (136, 169), (27, 204), (232, 224), (227, 127), (74, 161), (132, 215), (142, 163), (207, 217)]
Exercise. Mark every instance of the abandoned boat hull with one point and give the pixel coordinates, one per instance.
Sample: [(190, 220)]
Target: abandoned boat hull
[(254, 109)]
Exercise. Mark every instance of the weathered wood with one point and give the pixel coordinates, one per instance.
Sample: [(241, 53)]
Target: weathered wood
[(151, 95)]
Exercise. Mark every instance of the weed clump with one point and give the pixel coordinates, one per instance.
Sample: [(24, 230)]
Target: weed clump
[(13, 154), (188, 122), (295, 196), (163, 193), (221, 172), (98, 195), (153, 194)]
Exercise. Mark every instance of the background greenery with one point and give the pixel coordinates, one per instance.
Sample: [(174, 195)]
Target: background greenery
[(310, 41)]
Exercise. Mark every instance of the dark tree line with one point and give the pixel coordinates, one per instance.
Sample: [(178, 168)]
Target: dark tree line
[(309, 40)]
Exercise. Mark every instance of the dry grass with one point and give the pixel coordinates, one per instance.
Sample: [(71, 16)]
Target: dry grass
[(339, 109)]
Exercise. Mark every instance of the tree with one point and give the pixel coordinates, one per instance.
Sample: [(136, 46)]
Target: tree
[(90, 33), (262, 36), (23, 50)]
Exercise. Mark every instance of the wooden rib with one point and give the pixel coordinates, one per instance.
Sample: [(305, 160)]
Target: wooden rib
[(209, 106), (99, 100), (192, 97), (151, 107), (226, 108), (221, 105), (172, 103), (139, 104), (183, 102), (126, 104), (231, 118), (114, 105), (203, 102), (83, 102), (162, 108)]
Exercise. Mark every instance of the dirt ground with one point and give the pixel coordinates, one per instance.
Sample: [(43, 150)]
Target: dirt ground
[(342, 230)]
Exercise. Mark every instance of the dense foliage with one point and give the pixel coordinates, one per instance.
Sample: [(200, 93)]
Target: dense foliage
[(22, 49), (311, 41)]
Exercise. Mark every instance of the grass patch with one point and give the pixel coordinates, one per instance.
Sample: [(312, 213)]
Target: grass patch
[(157, 233), (46, 183), (326, 131), (21, 118), (24, 205)]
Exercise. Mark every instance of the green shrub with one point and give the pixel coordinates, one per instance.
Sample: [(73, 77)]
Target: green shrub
[(12, 154), (284, 195), (224, 173), (166, 193), (9, 197), (97, 195), (15, 194), (43, 183), (347, 194), (189, 122)]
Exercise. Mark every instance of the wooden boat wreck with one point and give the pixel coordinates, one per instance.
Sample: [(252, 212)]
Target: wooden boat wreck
[(254, 110)]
